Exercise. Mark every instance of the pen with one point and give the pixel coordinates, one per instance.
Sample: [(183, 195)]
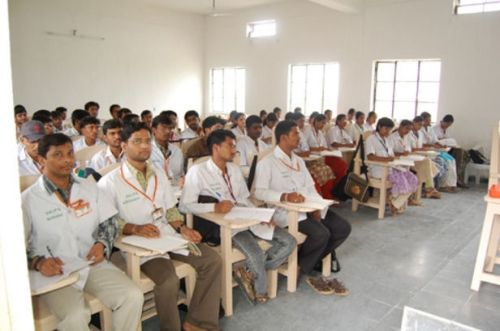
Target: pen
[(50, 252), (219, 195)]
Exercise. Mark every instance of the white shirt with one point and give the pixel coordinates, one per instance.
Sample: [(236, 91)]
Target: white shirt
[(51, 223), (303, 145), (278, 174), (368, 127), (131, 202), (246, 147), (315, 139), (378, 146), (104, 158), (27, 166), (428, 135), (439, 132), (266, 132), (416, 139), (81, 144), (71, 132), (238, 132), (173, 165), (356, 131), (399, 144), (188, 134), (338, 135)]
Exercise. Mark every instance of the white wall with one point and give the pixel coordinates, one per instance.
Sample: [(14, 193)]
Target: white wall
[(468, 46), (151, 58)]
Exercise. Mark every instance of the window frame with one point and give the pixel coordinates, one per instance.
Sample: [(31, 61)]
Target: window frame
[(457, 6), (212, 94), (250, 28)]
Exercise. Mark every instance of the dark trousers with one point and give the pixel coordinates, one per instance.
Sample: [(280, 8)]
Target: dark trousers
[(323, 237)]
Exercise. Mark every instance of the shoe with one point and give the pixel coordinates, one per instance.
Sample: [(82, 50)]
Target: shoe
[(414, 203), (261, 298), (319, 285), (449, 189), (244, 279), (337, 287), (433, 194)]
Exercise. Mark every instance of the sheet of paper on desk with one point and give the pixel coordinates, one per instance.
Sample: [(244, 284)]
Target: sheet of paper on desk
[(402, 162), (336, 153), (450, 142), (248, 213), (263, 231), (72, 265), (413, 157), (38, 281), (347, 149), (162, 245), (314, 203)]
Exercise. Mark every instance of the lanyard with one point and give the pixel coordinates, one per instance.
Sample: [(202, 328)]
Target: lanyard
[(316, 136), (383, 143), (291, 167), (140, 191), (229, 186)]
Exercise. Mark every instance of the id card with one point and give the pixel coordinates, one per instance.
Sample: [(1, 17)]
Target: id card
[(158, 214), (81, 208)]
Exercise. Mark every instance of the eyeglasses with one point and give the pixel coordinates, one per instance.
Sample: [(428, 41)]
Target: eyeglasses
[(141, 141)]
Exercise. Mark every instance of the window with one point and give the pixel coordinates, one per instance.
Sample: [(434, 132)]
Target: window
[(476, 6), (227, 90), (313, 87), (261, 29), (403, 89)]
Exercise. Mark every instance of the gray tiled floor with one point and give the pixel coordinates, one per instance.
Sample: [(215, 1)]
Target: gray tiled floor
[(423, 258)]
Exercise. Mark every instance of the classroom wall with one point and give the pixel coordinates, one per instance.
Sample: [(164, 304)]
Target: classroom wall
[(467, 45), (151, 58)]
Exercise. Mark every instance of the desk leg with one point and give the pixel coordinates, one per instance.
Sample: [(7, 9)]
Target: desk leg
[(293, 229), (493, 244), (483, 248), (227, 270)]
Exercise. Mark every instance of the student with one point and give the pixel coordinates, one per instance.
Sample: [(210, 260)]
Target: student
[(350, 116), (124, 112), (329, 116), (251, 144), (21, 116), (239, 129), (130, 118), (358, 128), (283, 176), (231, 120), (67, 218), (314, 135), (297, 110), (289, 116), (198, 147), (29, 162), (176, 132), (114, 111), (277, 111), (57, 121), (66, 122), (440, 130), (92, 108), (147, 117), (89, 127), (146, 204), (302, 149), (112, 154), (267, 129), (378, 148), (193, 130), (44, 117), (338, 135), (263, 115), (76, 117), (164, 155), (312, 117), (222, 180), (370, 121)]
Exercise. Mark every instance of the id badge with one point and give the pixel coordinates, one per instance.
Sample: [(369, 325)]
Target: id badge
[(82, 209), (158, 214)]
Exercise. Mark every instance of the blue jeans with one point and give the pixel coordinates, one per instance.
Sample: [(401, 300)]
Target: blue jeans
[(258, 261)]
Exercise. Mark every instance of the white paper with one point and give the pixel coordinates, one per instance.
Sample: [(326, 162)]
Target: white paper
[(263, 231), (413, 157), (450, 142), (314, 203), (72, 265), (38, 281), (347, 149), (162, 245), (402, 162), (336, 153), (248, 213)]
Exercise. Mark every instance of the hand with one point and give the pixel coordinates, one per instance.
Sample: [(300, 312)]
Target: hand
[(295, 197), (223, 207), (191, 235), (316, 215), (181, 181), (51, 266), (96, 253), (146, 230)]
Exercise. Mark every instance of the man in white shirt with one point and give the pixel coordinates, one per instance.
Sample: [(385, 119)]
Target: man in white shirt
[(251, 144), (89, 127), (92, 108), (283, 176), (440, 130), (76, 117), (68, 220), (112, 154), (357, 129), (198, 147), (267, 129), (165, 155), (371, 120), (338, 135), (302, 149), (192, 120), (147, 117), (21, 116), (144, 198), (29, 163), (221, 180), (351, 113), (314, 135)]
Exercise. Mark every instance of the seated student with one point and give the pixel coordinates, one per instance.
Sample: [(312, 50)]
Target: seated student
[(124, 112), (44, 117), (66, 122), (251, 143), (302, 149), (231, 120), (329, 116), (448, 182), (222, 180), (314, 135), (350, 119), (59, 230), (147, 117), (193, 130), (114, 111), (176, 132), (146, 204), (112, 130), (371, 120), (358, 128), (378, 148), (267, 129), (76, 117), (89, 127), (277, 111), (239, 128), (29, 161), (20, 116), (198, 147), (283, 176), (297, 110), (263, 115), (57, 121), (289, 116), (164, 155), (92, 108), (338, 135), (130, 118)]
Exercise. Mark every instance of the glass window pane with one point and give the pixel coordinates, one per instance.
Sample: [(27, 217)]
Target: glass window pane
[(314, 89), (491, 7), (383, 109), (428, 92), (429, 107), (217, 92), (404, 110), (470, 2), (298, 86), (385, 71), (430, 71), (384, 91), (229, 89), (405, 92), (240, 90), (331, 88), (261, 29), (407, 71), (470, 9)]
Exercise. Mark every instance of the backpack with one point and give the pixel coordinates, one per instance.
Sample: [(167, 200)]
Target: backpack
[(477, 157)]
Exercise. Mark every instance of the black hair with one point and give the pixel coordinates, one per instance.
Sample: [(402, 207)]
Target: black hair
[(55, 114), (19, 109), (190, 113), (359, 114), (418, 119), (297, 110), (340, 117), (89, 120), (77, 115), (319, 118), (351, 111), (91, 104), (313, 115), (425, 115), (217, 137), (130, 118), (283, 128), (111, 124), (56, 139), (168, 113), (297, 116), (161, 119), (239, 115), (144, 113), (211, 121), (131, 128), (405, 123), (271, 117), (290, 116), (372, 113), (276, 110), (43, 112), (263, 112), (232, 115), (251, 120), (384, 122), (327, 111), (111, 108), (448, 118), (61, 110), (42, 117)]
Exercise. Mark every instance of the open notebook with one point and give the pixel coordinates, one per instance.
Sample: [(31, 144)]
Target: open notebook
[(166, 243)]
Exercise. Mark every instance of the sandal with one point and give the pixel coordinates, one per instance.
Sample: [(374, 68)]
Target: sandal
[(261, 298), (244, 279), (319, 285), (337, 287)]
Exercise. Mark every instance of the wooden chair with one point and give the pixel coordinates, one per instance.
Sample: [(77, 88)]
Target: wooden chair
[(27, 181), (84, 155), (132, 267)]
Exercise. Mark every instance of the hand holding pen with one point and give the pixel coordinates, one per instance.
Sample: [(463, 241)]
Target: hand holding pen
[(51, 266)]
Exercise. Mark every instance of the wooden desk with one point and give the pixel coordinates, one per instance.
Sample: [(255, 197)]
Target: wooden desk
[(70, 280)]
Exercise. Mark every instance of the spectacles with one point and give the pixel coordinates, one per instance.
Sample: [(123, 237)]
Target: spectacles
[(141, 141)]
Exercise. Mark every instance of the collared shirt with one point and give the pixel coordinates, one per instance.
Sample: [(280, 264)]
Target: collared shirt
[(71, 132), (338, 135), (238, 132), (27, 166), (104, 158), (315, 139), (428, 135), (356, 131), (400, 144), (303, 145), (188, 134), (368, 127), (169, 159), (278, 174), (81, 144), (266, 132), (416, 139), (247, 147), (378, 146), (439, 132)]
